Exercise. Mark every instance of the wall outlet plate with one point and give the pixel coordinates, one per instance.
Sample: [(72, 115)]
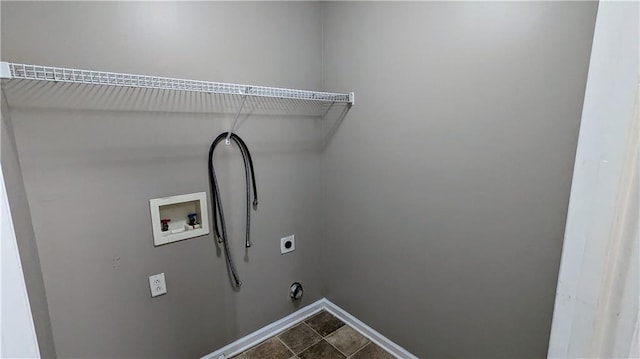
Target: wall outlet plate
[(157, 285), (287, 244)]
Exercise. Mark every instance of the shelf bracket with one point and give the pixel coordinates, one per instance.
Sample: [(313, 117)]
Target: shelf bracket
[(227, 140), (5, 71), (328, 109)]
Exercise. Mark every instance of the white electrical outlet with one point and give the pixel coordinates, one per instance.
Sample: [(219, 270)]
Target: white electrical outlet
[(158, 285), (287, 244)]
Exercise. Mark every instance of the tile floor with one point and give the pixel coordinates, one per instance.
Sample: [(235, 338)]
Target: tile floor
[(321, 336)]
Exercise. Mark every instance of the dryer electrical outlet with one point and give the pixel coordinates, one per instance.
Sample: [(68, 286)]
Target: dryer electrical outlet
[(287, 244)]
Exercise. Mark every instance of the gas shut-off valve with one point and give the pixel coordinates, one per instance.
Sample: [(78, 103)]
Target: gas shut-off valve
[(295, 291)]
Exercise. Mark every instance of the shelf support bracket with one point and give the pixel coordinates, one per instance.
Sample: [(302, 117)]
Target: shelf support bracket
[(328, 109), (227, 140)]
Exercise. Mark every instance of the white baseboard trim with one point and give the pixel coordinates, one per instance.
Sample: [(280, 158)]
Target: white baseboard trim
[(266, 332), (367, 331), (296, 317)]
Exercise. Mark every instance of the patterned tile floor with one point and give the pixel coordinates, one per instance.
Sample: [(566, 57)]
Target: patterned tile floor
[(321, 336)]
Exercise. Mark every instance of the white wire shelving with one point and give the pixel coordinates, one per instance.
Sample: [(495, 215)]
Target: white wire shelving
[(60, 74), (51, 74)]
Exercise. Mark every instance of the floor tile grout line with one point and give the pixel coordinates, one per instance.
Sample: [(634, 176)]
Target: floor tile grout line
[(324, 337), (333, 332), (356, 352), (305, 347), (343, 324), (284, 332), (362, 347), (369, 341), (315, 331), (304, 321), (277, 336), (343, 353), (338, 349), (320, 336), (285, 345)]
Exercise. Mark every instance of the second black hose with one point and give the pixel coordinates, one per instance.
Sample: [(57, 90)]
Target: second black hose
[(219, 224)]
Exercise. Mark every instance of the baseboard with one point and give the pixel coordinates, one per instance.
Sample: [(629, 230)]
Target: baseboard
[(367, 331), (296, 317), (266, 332)]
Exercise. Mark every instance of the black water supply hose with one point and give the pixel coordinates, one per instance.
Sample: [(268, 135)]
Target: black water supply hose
[(219, 225)]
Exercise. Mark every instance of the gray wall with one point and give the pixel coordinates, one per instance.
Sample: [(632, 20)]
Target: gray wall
[(23, 227), (446, 187), (90, 167)]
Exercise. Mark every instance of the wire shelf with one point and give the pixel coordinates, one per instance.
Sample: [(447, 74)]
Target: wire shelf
[(59, 74)]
